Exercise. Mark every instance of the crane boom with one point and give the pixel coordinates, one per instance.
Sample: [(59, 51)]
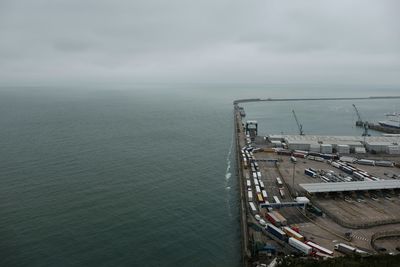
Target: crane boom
[(359, 121), (300, 126), (362, 123)]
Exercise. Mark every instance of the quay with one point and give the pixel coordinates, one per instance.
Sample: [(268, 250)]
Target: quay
[(351, 206), (313, 99)]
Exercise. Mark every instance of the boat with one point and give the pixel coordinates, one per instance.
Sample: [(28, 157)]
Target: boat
[(392, 121)]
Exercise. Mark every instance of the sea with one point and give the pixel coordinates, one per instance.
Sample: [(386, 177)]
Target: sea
[(142, 174)]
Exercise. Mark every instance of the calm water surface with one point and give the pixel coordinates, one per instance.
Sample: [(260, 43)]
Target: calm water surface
[(136, 177)]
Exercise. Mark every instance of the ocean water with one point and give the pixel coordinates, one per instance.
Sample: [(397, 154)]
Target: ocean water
[(137, 175)]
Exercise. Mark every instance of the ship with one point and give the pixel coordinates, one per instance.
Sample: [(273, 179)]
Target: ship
[(392, 121)]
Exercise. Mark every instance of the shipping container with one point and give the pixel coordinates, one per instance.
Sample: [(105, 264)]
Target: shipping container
[(279, 182), (273, 219), (276, 199), (253, 166), (264, 193), (347, 170), (248, 183), (317, 247), (299, 155), (335, 164), (253, 208), (250, 195), (301, 151), (258, 190), (384, 163), (275, 231), (291, 233), (325, 179), (366, 162), (346, 249), (358, 176), (295, 228), (260, 198), (304, 248), (280, 217), (282, 193)]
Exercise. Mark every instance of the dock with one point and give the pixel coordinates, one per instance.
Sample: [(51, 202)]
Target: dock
[(238, 101), (352, 214)]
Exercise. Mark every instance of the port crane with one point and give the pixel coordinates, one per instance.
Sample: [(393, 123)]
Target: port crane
[(300, 126), (359, 121), (362, 123)]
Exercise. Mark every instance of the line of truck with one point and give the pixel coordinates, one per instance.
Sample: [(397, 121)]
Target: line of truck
[(357, 173), (296, 240), (276, 224)]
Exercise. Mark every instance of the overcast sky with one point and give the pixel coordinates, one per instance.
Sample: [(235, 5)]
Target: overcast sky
[(260, 41)]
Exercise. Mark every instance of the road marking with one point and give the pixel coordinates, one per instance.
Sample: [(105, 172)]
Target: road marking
[(360, 238)]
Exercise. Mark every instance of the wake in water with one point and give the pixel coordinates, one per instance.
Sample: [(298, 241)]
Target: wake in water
[(228, 175)]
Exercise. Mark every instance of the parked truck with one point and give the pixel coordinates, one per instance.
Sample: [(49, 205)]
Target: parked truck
[(318, 248), (291, 233), (275, 231), (304, 248), (309, 173), (280, 217), (273, 219), (346, 249)]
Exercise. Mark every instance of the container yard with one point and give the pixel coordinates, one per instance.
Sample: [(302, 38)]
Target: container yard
[(316, 196)]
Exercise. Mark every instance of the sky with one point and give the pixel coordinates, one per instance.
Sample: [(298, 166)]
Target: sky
[(221, 41)]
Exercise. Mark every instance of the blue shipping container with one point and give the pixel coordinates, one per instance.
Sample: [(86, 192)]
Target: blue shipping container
[(276, 232)]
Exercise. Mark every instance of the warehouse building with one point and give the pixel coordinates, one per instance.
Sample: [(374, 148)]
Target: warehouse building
[(350, 186), (340, 144)]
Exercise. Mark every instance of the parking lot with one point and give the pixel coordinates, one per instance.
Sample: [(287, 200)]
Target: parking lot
[(351, 207)]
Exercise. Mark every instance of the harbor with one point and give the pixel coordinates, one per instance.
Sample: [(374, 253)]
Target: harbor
[(315, 196)]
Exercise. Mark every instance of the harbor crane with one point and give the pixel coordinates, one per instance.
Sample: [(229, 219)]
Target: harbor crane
[(300, 126), (362, 123), (359, 121)]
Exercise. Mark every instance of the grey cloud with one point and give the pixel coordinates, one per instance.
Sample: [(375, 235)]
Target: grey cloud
[(216, 41)]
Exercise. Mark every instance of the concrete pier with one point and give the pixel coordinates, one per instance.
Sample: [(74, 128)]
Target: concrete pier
[(239, 137)]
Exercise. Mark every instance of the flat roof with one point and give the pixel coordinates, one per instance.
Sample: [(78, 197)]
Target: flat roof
[(350, 186), (339, 139)]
